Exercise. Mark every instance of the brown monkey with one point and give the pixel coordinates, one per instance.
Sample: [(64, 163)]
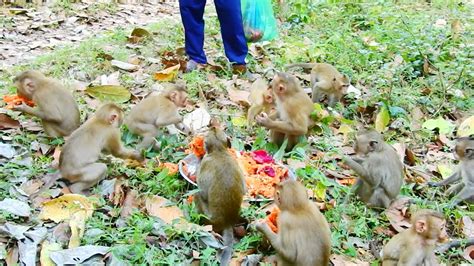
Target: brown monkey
[(326, 80), (261, 100), (293, 110), (464, 191), (56, 107), (415, 246), (303, 236), (101, 133), (156, 111), (379, 168), (221, 188)]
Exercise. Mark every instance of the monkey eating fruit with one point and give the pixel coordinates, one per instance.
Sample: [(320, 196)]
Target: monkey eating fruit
[(379, 168), (261, 100), (101, 133), (221, 188), (303, 237), (156, 111), (56, 106), (293, 109)]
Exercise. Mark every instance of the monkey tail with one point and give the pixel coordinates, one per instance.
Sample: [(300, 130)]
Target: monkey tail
[(226, 254), (302, 65)]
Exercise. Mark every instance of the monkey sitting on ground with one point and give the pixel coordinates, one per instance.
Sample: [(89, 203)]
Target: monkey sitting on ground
[(379, 168), (464, 191), (326, 80), (303, 237), (221, 188), (156, 111), (293, 109), (415, 246), (101, 133), (261, 100), (56, 106)]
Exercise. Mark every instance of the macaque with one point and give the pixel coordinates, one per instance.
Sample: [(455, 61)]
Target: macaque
[(261, 100), (101, 133), (221, 188), (415, 246), (326, 80), (303, 236), (464, 191), (156, 111), (56, 107), (379, 168), (293, 109)]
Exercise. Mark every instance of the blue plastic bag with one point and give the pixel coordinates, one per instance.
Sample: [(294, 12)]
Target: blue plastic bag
[(259, 21)]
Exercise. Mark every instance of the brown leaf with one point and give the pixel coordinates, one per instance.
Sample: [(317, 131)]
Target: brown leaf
[(12, 256), (6, 122), (31, 186), (124, 65), (397, 214), (56, 155), (130, 203), (159, 207), (239, 96), (340, 260)]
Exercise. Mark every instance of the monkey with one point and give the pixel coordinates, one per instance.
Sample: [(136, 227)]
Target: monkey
[(156, 111), (293, 109), (101, 133), (380, 170), (221, 187), (415, 246), (326, 80), (303, 237), (464, 191), (261, 100), (56, 106)]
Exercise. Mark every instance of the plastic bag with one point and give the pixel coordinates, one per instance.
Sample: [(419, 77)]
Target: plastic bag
[(259, 21)]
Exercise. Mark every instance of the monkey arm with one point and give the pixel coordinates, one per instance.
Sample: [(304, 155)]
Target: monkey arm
[(359, 169), (168, 120), (115, 147), (276, 243), (456, 176), (47, 116), (287, 128)]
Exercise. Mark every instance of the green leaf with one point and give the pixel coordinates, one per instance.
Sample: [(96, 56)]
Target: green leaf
[(140, 32), (109, 93), (444, 126), (281, 152), (382, 119), (444, 170), (320, 191)]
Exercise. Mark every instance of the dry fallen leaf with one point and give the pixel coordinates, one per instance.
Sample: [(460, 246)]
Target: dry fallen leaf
[(397, 214), (167, 74), (467, 227), (158, 206), (466, 128), (239, 96), (6, 122), (124, 65), (130, 203)]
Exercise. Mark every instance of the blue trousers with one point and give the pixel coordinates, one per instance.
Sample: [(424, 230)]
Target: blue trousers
[(232, 29)]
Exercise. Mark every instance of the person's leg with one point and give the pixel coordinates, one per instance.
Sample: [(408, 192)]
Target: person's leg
[(192, 12), (232, 30)]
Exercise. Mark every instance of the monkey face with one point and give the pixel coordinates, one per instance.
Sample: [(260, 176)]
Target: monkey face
[(180, 99), (25, 88), (464, 148)]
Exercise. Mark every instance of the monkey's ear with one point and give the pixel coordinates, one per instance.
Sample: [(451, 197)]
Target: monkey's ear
[(420, 226), (373, 143), (113, 118), (469, 153), (29, 84), (281, 88), (346, 79)]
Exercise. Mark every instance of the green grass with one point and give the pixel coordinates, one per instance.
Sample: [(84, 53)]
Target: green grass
[(339, 33)]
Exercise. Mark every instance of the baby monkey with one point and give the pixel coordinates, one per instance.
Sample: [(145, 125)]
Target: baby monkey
[(303, 237), (156, 111), (221, 188), (415, 246), (379, 168), (261, 100), (101, 133), (326, 81), (56, 106), (464, 191)]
